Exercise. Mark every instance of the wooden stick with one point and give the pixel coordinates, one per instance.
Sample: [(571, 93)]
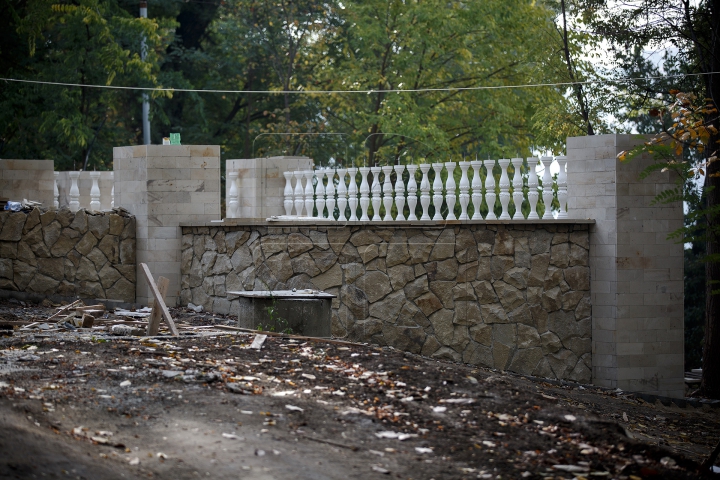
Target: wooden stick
[(155, 317), (159, 299), (66, 307)]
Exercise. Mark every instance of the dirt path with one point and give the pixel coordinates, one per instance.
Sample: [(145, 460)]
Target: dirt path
[(89, 405), (81, 406)]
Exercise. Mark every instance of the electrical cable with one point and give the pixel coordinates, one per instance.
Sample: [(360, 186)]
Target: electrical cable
[(367, 92)]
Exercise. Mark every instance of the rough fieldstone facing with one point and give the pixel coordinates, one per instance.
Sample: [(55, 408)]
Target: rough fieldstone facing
[(69, 254), (511, 297)]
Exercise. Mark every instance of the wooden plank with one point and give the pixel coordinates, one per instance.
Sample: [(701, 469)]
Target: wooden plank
[(156, 315), (66, 307), (159, 299)]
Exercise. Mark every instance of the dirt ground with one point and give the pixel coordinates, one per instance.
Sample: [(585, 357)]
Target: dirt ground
[(84, 404)]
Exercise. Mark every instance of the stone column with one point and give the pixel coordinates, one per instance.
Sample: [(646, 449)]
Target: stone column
[(164, 186), (31, 179), (636, 272), (261, 184)]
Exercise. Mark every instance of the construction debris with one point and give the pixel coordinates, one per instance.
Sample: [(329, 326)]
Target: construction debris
[(299, 398)]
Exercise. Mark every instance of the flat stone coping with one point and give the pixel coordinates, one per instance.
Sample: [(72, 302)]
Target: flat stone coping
[(282, 294), (312, 221)]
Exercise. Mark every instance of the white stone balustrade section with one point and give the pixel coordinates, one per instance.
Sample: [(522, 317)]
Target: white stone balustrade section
[(450, 186), (387, 193), (533, 188), (74, 204), (288, 201), (399, 192), (330, 193), (562, 187), (517, 184), (342, 200), (464, 190), (95, 192), (490, 191), (376, 194), (320, 194), (425, 191), (504, 188), (309, 192), (547, 193), (56, 192), (352, 194), (315, 194), (364, 194), (412, 192), (477, 195)]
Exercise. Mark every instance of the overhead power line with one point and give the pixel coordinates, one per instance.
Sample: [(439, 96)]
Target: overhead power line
[(334, 92)]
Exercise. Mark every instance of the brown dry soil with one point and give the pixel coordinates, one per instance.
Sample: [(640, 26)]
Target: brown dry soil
[(204, 405)]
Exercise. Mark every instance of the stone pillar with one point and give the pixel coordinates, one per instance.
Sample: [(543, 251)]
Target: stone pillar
[(31, 179), (164, 186), (636, 272), (261, 189)]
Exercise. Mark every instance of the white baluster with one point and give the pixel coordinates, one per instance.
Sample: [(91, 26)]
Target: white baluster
[(288, 202), (342, 194), (387, 193), (330, 191), (450, 187), (517, 183), (376, 194), (547, 193), (56, 192), (504, 188), (309, 193), (232, 210), (74, 192), (437, 191), (399, 192), (464, 190), (532, 188), (298, 193), (476, 189), (364, 194), (112, 192), (320, 194), (95, 192), (562, 187), (490, 191), (353, 194), (425, 191), (412, 192)]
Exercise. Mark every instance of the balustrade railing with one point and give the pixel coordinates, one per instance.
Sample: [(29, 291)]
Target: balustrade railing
[(506, 189), (94, 191)]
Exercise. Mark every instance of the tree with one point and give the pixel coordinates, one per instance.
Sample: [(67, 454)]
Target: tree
[(692, 29), (87, 42), (383, 45)]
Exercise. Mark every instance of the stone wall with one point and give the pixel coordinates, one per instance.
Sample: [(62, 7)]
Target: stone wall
[(68, 254), (507, 296)]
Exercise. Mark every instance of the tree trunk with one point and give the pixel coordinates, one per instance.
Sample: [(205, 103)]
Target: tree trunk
[(710, 385)]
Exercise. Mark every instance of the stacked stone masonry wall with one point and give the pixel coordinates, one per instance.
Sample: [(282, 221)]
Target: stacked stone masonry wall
[(90, 255), (512, 297)]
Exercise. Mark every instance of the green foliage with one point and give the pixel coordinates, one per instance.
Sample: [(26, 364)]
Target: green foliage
[(88, 42)]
